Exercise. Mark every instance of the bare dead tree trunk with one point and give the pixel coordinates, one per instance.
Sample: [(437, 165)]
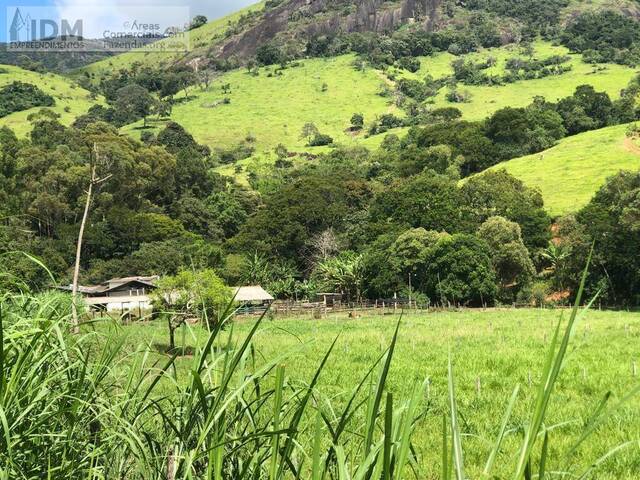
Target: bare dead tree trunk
[(76, 269), (171, 465), (94, 181)]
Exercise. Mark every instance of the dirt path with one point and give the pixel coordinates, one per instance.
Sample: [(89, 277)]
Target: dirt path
[(630, 146)]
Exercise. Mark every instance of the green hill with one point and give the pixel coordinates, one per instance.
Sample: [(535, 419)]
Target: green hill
[(571, 172), (273, 105), (71, 100), (487, 99)]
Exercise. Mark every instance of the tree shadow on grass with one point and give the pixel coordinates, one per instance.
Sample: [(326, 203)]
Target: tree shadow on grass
[(180, 351), (165, 349)]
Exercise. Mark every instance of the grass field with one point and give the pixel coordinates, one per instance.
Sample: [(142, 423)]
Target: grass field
[(486, 100), (492, 350), (571, 172), (274, 108), (71, 101)]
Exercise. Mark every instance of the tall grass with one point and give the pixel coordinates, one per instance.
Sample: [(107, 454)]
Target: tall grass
[(78, 406)]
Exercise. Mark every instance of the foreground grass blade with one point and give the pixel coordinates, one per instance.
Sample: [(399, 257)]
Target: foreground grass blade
[(553, 365), (503, 427), (377, 398), (458, 460)]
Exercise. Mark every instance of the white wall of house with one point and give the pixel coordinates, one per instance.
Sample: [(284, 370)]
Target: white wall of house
[(124, 303)]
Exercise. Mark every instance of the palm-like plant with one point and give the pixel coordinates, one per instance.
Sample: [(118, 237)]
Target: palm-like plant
[(344, 274), (557, 256)]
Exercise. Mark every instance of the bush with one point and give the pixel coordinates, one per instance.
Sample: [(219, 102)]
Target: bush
[(268, 54), (197, 22), (458, 96), (357, 122), (410, 64), (320, 140)]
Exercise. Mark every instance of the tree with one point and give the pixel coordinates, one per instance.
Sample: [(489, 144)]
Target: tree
[(519, 131), (430, 201), (611, 222), (292, 215), (500, 193), (170, 85), (309, 131), (413, 160), (19, 96), (459, 271), (408, 255), (557, 256), (191, 294), (509, 256), (197, 22), (94, 181), (586, 110), (204, 78), (133, 102), (322, 246)]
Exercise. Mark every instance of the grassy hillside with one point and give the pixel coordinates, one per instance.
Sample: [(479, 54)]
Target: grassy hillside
[(571, 172), (487, 99), (273, 107), (201, 39), (71, 100)]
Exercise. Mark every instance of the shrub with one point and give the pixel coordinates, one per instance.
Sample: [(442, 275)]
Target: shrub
[(458, 96), (197, 22), (320, 140), (410, 64), (357, 122)]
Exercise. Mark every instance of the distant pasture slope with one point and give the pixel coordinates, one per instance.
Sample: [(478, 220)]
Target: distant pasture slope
[(569, 174), (71, 100), (485, 100), (273, 107)]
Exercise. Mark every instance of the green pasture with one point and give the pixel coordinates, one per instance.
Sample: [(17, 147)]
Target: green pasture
[(485, 100), (492, 350), (71, 100), (272, 107), (570, 173)]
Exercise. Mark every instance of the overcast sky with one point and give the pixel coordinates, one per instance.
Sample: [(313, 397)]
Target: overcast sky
[(108, 14)]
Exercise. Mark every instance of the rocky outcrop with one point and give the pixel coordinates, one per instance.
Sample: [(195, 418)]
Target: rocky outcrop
[(316, 17)]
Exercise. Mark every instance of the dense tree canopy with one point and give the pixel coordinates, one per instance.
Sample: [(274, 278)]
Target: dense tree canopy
[(612, 222)]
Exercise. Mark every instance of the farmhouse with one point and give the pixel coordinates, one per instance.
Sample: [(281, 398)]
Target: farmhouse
[(252, 299), (119, 294), (252, 295)]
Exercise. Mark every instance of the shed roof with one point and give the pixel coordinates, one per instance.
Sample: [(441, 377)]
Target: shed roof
[(251, 294)]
